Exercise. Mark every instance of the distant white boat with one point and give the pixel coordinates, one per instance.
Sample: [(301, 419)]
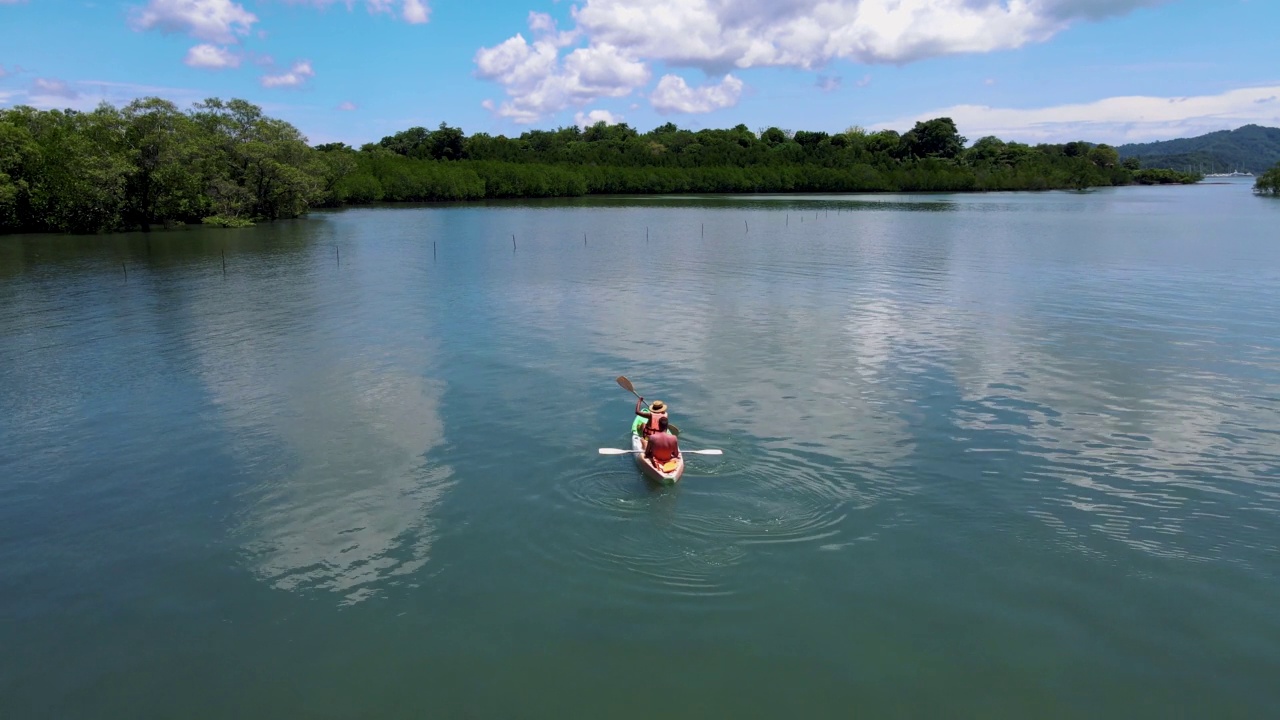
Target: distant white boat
[(1234, 173)]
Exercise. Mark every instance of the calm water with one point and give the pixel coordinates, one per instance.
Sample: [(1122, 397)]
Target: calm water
[(1006, 455)]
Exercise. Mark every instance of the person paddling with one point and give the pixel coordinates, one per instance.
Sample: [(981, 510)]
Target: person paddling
[(663, 447), (656, 412)]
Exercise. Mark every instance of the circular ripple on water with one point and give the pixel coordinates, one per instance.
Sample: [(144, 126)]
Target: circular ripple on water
[(757, 506), (626, 528), (606, 488)]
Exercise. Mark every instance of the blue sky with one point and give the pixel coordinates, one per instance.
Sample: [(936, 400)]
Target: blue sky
[(1032, 70)]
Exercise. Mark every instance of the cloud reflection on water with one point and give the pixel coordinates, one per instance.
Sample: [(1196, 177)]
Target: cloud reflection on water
[(334, 421)]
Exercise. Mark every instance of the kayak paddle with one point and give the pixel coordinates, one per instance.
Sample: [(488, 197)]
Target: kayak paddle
[(626, 385)]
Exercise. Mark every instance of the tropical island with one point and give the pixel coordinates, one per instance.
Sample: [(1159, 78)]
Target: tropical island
[(225, 163)]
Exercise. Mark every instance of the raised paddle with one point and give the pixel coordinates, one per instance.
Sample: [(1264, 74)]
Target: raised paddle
[(626, 385), (620, 451)]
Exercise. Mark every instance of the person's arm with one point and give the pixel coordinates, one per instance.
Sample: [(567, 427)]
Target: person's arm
[(641, 411), (675, 448), (648, 451)]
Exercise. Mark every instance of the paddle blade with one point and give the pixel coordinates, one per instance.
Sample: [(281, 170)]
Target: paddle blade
[(703, 452), (616, 451), (626, 384)]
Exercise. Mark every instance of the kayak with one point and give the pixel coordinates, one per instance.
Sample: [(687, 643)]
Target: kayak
[(670, 477)]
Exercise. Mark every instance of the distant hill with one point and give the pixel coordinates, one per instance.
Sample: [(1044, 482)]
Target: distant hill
[(1252, 148)]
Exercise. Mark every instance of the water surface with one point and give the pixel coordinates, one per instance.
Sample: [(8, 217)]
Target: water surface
[(997, 455)]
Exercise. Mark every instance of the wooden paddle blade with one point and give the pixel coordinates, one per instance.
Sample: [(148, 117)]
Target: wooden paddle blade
[(616, 451), (626, 384), (703, 452)]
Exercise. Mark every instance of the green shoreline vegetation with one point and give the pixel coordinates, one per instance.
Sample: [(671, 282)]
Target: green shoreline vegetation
[(1268, 183), (227, 164)]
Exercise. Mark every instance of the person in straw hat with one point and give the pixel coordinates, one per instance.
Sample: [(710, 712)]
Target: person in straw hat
[(657, 411)]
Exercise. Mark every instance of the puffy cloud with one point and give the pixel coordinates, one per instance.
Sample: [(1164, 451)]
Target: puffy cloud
[(219, 21), (211, 56), (719, 35), (297, 76), (674, 95), (715, 35), (539, 82), (1114, 120), (347, 106), (415, 12), (584, 120)]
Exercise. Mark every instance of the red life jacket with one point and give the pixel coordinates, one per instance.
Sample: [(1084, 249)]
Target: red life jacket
[(652, 427)]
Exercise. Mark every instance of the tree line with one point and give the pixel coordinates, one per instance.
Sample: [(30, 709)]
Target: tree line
[(1269, 182), (226, 163)]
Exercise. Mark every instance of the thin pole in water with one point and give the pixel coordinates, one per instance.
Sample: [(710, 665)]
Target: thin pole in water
[(433, 249), (337, 255), (646, 234), (788, 219), (584, 239), (126, 271), (745, 225), (704, 229), (224, 263)]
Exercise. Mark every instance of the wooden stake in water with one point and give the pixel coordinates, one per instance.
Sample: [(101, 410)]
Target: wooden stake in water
[(646, 234), (745, 225), (126, 271), (788, 219), (433, 249), (513, 242), (224, 263), (584, 239), (337, 255)]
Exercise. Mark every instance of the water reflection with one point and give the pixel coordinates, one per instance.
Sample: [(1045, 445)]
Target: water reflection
[(323, 386)]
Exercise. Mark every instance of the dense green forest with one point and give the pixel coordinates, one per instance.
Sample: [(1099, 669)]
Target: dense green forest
[(1269, 182), (226, 163), (1252, 148)]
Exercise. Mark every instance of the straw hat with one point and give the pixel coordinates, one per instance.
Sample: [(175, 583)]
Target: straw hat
[(658, 406)]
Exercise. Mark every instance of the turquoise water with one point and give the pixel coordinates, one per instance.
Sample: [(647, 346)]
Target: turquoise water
[(999, 456)]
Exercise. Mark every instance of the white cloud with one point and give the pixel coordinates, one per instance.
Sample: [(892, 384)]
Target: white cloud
[(539, 82), (297, 76), (715, 35), (674, 95), (415, 12), (584, 120), (1115, 120), (720, 35), (544, 28), (863, 81), (347, 106), (219, 21), (211, 56)]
